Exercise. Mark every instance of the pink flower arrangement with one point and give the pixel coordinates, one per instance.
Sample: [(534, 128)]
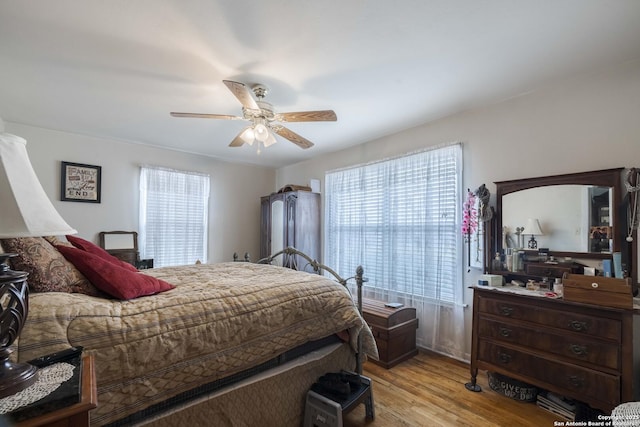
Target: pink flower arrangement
[(469, 215)]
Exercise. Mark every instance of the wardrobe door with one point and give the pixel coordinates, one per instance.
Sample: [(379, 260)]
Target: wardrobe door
[(265, 226), (278, 236), (290, 219), (306, 228)]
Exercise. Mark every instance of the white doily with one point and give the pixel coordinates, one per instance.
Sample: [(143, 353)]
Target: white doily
[(49, 379), (626, 415)]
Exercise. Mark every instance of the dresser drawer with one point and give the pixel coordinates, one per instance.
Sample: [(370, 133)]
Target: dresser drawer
[(578, 382), (576, 347), (600, 327)]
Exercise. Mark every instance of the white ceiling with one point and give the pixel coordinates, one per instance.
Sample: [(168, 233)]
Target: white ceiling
[(116, 68)]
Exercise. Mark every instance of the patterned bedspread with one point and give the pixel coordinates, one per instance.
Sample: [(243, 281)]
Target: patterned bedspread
[(219, 320)]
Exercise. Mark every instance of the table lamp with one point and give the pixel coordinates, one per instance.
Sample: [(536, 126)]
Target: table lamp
[(25, 211), (533, 228)]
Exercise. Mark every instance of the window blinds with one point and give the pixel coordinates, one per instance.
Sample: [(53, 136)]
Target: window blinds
[(399, 219), (173, 216)]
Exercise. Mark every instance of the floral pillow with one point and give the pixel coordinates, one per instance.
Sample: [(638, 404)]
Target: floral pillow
[(48, 269), (55, 241)]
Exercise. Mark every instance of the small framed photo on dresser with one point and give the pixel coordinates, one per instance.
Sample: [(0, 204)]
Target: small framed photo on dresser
[(80, 182)]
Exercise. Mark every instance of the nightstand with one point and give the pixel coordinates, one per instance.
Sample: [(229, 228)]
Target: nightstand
[(143, 264), (77, 414)]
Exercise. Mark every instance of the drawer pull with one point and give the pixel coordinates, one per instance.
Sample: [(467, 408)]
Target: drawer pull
[(579, 350), (576, 381), (506, 311), (504, 332), (504, 357), (578, 326)]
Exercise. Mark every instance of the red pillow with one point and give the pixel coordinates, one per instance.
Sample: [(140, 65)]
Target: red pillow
[(112, 279), (92, 248)]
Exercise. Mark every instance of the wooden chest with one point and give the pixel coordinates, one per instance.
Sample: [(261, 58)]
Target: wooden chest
[(394, 330), (606, 291)]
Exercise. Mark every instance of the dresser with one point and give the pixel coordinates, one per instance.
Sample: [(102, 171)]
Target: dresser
[(580, 351)]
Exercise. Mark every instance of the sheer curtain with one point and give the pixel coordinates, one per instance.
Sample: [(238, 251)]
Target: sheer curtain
[(173, 216), (400, 219)]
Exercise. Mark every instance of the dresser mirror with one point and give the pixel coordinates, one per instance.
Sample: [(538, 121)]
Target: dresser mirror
[(581, 215), (579, 220)]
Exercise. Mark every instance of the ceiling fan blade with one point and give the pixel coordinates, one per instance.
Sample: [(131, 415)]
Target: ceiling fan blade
[(242, 92), (293, 137), (309, 116), (207, 116), (244, 137)]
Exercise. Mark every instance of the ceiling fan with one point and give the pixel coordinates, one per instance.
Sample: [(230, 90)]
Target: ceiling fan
[(263, 117)]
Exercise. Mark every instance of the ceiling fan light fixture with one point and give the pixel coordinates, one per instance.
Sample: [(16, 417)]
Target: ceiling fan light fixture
[(261, 132), (271, 139), (248, 135)]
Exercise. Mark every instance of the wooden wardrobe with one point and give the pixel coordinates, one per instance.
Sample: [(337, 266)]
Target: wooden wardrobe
[(290, 218)]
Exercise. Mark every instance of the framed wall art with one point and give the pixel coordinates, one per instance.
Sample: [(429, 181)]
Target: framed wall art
[(80, 183)]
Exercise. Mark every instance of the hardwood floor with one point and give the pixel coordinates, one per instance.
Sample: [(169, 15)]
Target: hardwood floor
[(428, 390)]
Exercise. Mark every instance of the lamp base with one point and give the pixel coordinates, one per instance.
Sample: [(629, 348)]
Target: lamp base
[(14, 306), (15, 377)]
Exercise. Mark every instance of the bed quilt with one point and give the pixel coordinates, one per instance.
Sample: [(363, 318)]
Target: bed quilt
[(219, 320)]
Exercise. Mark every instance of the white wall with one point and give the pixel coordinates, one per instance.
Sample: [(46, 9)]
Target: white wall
[(585, 123), (589, 122), (234, 207)]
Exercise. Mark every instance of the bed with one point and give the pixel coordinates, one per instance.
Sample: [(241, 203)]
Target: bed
[(230, 344)]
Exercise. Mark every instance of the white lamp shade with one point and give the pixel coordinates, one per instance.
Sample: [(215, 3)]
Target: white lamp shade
[(25, 209), (533, 227)]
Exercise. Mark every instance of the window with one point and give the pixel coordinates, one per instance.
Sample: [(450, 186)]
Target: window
[(399, 219), (173, 216)]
